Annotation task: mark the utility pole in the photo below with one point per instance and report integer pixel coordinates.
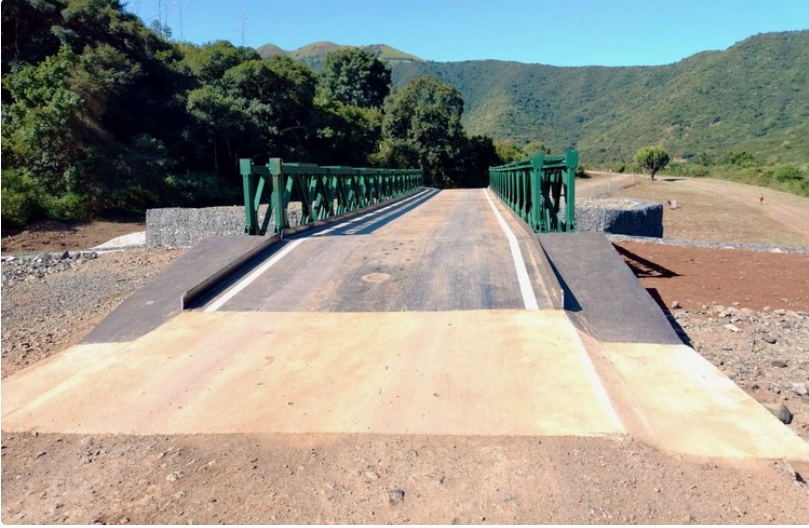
(244, 19)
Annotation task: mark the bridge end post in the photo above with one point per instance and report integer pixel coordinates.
(276, 173)
(249, 185)
(537, 220)
(572, 161)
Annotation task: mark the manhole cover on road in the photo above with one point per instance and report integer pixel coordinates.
(376, 278)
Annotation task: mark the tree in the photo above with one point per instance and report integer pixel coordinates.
(209, 62)
(652, 158)
(536, 146)
(355, 77)
(508, 152)
(423, 126)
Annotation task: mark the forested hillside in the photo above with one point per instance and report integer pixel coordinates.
(753, 96)
(103, 115)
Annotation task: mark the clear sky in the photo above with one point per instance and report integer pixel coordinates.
(560, 32)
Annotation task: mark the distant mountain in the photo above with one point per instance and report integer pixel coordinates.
(753, 96)
(314, 54)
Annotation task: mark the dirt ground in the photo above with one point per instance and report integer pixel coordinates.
(60, 236)
(379, 479)
(720, 211)
(698, 276)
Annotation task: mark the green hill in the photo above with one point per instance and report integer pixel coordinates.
(314, 55)
(752, 96)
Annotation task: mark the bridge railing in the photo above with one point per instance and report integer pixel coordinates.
(324, 192)
(533, 188)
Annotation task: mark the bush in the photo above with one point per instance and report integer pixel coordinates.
(786, 173)
(739, 159)
(687, 169)
(580, 170)
(21, 199)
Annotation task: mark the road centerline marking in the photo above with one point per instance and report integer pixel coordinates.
(528, 295)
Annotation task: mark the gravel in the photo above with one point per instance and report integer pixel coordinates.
(51, 300)
(767, 355)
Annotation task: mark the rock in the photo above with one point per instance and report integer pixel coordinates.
(800, 389)
(781, 412)
(371, 474)
(779, 363)
(395, 496)
(41, 454)
(732, 327)
(172, 477)
(509, 497)
(675, 305)
(767, 338)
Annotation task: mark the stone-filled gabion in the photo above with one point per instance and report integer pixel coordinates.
(620, 216)
(182, 227)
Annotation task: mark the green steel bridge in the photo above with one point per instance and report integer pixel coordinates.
(391, 308)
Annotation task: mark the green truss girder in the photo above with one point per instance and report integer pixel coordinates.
(534, 188)
(324, 192)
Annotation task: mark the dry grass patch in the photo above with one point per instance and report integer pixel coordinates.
(710, 216)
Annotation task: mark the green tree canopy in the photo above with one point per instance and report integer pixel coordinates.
(355, 77)
(652, 158)
(209, 63)
(423, 126)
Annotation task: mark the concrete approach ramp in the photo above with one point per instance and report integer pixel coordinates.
(592, 355)
(474, 372)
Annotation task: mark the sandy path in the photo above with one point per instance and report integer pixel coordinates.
(789, 210)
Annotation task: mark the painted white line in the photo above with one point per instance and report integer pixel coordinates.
(372, 213)
(528, 295)
(245, 282)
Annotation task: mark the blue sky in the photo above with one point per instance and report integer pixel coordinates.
(561, 32)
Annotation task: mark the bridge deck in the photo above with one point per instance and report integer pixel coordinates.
(437, 251)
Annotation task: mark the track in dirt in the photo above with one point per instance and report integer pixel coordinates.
(781, 207)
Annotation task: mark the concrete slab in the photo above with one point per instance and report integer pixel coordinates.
(672, 397)
(458, 373)
(601, 293)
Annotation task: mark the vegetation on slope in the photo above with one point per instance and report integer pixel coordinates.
(104, 115)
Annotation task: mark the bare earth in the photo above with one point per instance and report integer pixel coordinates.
(61, 236)
(378, 479)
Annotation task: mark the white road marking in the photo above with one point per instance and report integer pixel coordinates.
(246, 281)
(363, 217)
(528, 295)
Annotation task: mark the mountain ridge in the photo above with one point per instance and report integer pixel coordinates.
(752, 96)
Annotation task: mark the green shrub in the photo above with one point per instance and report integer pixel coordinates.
(739, 159)
(785, 173)
(71, 206)
(20, 197)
